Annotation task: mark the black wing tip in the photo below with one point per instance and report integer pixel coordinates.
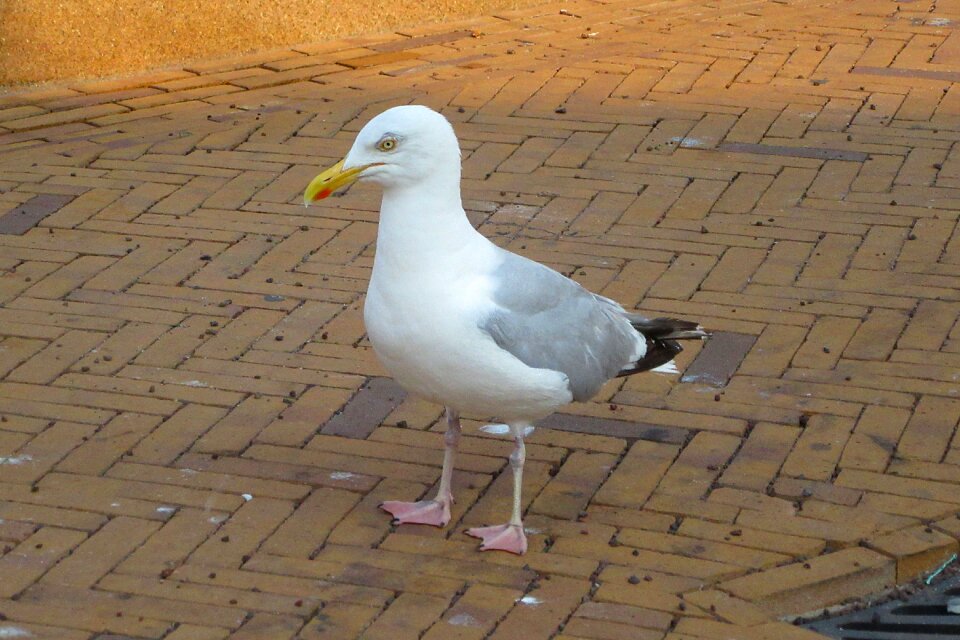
(662, 346)
(659, 353)
(668, 328)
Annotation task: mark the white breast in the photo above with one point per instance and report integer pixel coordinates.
(425, 328)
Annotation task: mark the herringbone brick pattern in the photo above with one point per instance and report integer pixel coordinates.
(194, 435)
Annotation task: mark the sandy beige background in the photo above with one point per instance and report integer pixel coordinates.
(57, 39)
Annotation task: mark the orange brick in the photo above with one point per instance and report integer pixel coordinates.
(56, 358)
(243, 533)
(360, 574)
(829, 579)
(109, 444)
(69, 277)
(818, 448)
(268, 625)
(34, 609)
(825, 343)
(175, 345)
(803, 527)
(929, 326)
(697, 465)
(760, 457)
(175, 435)
(236, 430)
(656, 591)
(930, 429)
(237, 335)
(567, 494)
(874, 438)
(198, 632)
(542, 610)
(106, 603)
(915, 508)
(34, 556)
(877, 336)
(62, 117)
(728, 608)
(366, 524)
(340, 621)
(312, 521)
(97, 555)
(697, 547)
(906, 487)
(407, 617)
(917, 550)
(170, 546)
(476, 613)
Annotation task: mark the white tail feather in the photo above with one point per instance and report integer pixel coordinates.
(503, 429)
(669, 368)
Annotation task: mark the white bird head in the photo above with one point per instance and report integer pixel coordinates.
(405, 146)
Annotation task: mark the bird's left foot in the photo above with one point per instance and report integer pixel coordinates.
(503, 537)
(432, 512)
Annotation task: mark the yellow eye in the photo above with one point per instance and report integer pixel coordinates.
(387, 144)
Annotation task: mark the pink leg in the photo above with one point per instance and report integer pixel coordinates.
(510, 536)
(434, 512)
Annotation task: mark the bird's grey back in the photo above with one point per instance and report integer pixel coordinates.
(550, 322)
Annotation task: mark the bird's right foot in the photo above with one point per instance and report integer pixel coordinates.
(503, 537)
(432, 512)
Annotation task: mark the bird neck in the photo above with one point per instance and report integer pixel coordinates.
(421, 224)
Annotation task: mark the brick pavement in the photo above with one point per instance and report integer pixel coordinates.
(194, 436)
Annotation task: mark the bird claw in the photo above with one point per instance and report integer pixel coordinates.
(503, 537)
(433, 512)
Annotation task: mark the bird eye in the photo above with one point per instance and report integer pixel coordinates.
(387, 144)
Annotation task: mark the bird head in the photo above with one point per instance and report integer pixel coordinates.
(403, 146)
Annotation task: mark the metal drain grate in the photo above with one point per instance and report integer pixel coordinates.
(921, 616)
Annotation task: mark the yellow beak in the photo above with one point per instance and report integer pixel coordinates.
(331, 180)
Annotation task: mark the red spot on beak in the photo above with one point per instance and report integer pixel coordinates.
(321, 194)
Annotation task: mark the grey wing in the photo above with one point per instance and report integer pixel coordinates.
(548, 321)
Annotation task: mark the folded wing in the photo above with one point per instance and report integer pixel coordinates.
(550, 322)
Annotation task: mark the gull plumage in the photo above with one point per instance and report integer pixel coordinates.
(461, 322)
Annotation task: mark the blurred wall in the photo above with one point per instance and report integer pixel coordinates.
(44, 40)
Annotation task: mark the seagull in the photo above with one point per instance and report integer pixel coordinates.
(461, 322)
